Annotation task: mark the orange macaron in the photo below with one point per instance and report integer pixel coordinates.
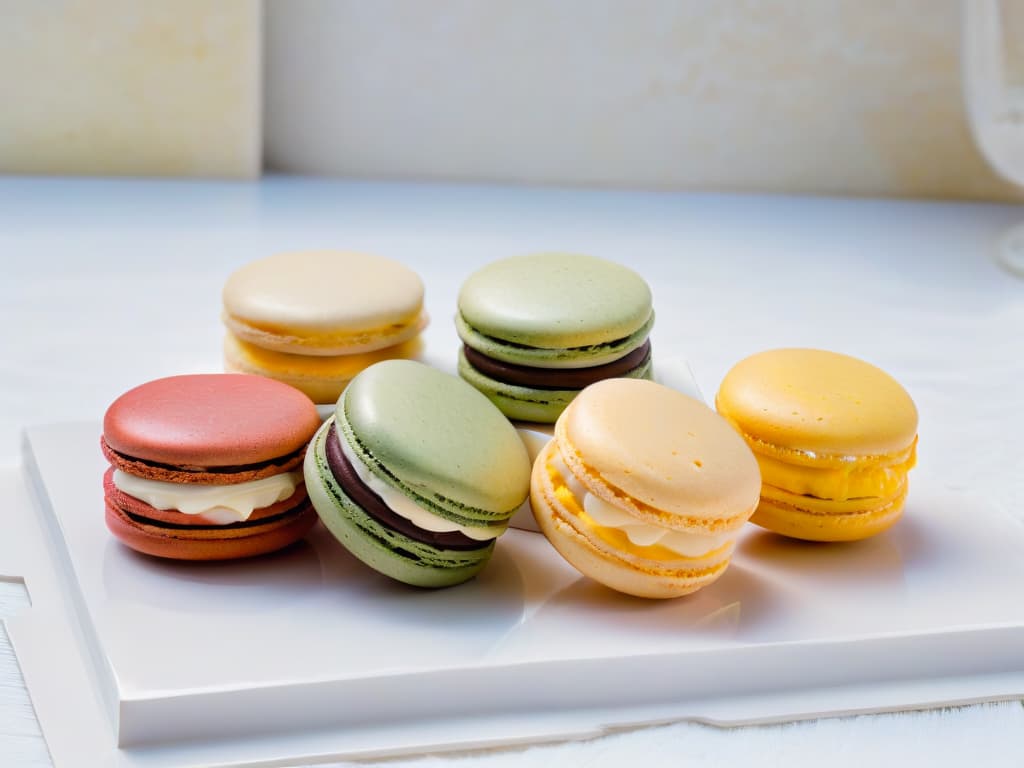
(208, 466)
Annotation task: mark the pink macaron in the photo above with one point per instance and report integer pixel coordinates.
(208, 466)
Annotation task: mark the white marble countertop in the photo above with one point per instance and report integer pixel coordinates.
(109, 283)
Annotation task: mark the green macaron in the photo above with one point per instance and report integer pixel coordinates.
(417, 473)
(537, 329)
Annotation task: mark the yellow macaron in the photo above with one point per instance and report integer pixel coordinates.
(643, 488)
(834, 437)
(314, 319)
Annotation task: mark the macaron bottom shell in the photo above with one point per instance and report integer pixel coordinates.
(812, 519)
(521, 403)
(623, 572)
(383, 549)
(215, 542)
(322, 379)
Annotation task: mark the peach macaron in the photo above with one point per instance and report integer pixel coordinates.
(644, 489)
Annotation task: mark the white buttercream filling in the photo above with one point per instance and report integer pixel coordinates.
(405, 507)
(685, 543)
(219, 504)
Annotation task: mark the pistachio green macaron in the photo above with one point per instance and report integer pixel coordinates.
(537, 329)
(417, 473)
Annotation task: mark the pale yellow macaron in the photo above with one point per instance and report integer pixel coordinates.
(834, 437)
(321, 378)
(314, 319)
(643, 488)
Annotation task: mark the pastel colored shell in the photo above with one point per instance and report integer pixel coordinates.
(555, 301)
(210, 420)
(322, 378)
(537, 329)
(818, 401)
(433, 433)
(643, 488)
(324, 303)
(219, 430)
(417, 474)
(666, 455)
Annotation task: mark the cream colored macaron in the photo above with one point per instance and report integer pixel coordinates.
(321, 378)
(644, 489)
(324, 303)
(315, 319)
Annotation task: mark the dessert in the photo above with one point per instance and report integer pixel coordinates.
(321, 378)
(208, 467)
(834, 437)
(314, 319)
(644, 488)
(417, 474)
(537, 329)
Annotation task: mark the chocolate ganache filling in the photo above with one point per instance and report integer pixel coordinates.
(556, 378)
(374, 506)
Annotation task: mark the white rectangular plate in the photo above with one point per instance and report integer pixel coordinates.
(307, 655)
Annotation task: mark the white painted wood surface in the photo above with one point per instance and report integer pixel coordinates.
(21, 742)
(93, 270)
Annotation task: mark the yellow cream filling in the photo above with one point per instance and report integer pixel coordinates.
(616, 538)
(844, 482)
(318, 338)
(333, 366)
(821, 506)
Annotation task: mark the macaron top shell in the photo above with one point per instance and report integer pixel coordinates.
(816, 401)
(317, 291)
(555, 300)
(662, 448)
(210, 420)
(437, 435)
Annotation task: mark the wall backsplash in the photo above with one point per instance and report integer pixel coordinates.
(155, 88)
(832, 96)
(855, 97)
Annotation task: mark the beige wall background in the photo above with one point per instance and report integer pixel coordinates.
(121, 87)
(835, 96)
(855, 97)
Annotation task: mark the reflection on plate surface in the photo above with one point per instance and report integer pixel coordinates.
(313, 616)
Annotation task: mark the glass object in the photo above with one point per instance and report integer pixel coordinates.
(993, 77)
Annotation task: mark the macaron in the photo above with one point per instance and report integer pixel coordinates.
(644, 489)
(537, 329)
(417, 474)
(834, 437)
(314, 319)
(208, 466)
